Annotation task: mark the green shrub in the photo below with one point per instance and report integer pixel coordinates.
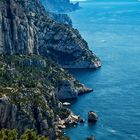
(7, 134)
(32, 135)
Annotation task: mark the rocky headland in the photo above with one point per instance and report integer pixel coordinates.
(32, 79)
(60, 18)
(26, 28)
(60, 6)
(29, 91)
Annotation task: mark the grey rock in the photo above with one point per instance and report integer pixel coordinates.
(66, 90)
(92, 116)
(11, 118)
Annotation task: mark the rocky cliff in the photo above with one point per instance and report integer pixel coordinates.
(29, 90)
(60, 6)
(60, 18)
(30, 82)
(26, 28)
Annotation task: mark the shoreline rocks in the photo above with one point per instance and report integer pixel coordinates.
(81, 120)
(71, 121)
(92, 116)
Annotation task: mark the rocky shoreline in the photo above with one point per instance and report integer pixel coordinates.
(73, 120)
(32, 79)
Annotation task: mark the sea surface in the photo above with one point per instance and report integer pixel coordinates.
(112, 30)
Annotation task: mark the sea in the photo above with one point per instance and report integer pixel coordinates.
(112, 30)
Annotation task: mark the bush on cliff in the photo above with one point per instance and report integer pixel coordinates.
(6, 134)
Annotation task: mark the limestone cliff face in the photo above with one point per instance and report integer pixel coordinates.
(26, 28)
(30, 87)
(17, 31)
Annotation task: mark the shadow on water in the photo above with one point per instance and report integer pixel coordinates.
(83, 74)
(81, 71)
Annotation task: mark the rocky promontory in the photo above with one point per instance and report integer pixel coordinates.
(60, 18)
(26, 28)
(30, 87)
(34, 49)
(60, 6)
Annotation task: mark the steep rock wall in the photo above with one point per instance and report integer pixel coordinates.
(26, 28)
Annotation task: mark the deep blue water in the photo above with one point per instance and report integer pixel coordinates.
(112, 29)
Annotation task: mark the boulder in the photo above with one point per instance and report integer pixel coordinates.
(92, 116)
(72, 120)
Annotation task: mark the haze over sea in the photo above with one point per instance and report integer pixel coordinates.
(112, 30)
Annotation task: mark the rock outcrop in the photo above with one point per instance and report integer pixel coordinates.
(92, 116)
(60, 6)
(71, 89)
(26, 28)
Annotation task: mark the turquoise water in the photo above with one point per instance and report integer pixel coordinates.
(112, 29)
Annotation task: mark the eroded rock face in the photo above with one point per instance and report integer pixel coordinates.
(27, 116)
(25, 28)
(29, 38)
(27, 97)
(12, 118)
(70, 89)
(65, 46)
(66, 90)
(17, 31)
